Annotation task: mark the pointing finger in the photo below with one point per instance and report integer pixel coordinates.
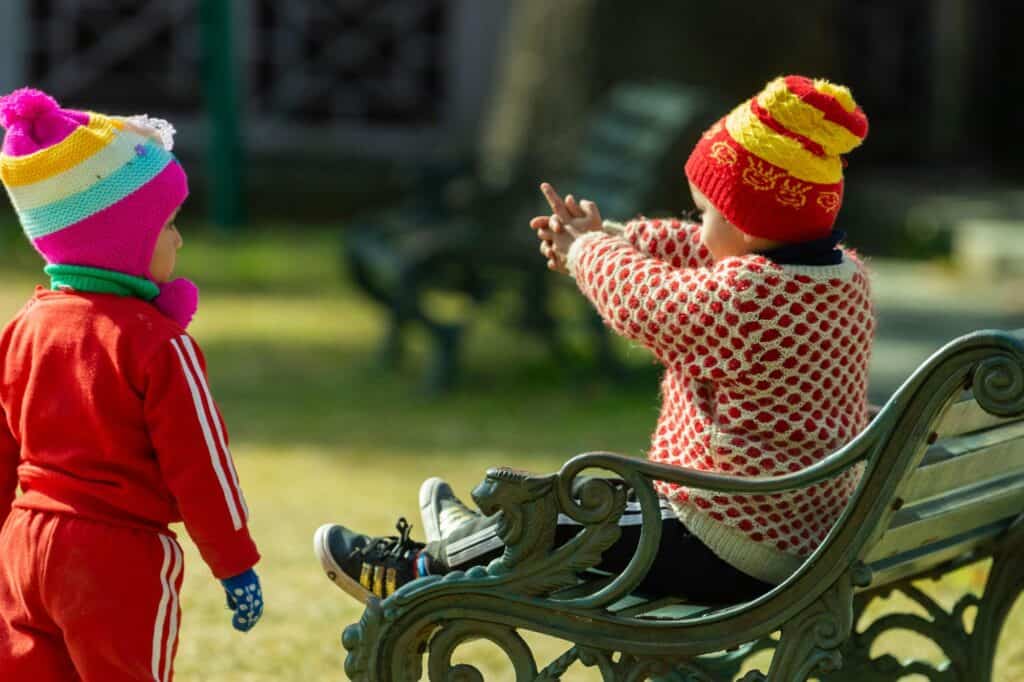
(555, 201)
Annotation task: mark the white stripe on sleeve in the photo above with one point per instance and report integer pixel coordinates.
(204, 424)
(198, 370)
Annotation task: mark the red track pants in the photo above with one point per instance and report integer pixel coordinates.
(81, 600)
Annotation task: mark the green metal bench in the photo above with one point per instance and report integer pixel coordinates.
(401, 256)
(943, 487)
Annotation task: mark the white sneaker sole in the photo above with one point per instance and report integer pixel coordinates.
(428, 492)
(332, 570)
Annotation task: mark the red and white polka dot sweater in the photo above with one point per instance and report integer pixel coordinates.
(766, 373)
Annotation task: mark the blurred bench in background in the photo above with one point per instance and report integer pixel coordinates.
(455, 236)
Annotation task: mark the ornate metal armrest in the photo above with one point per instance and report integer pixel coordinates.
(814, 608)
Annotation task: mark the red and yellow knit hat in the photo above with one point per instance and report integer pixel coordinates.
(773, 166)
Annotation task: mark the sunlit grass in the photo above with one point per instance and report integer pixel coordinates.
(320, 433)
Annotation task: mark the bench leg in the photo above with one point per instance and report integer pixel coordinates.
(1004, 585)
(970, 655)
(392, 348)
(811, 641)
(444, 362)
(406, 307)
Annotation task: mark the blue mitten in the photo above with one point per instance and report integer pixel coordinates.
(245, 598)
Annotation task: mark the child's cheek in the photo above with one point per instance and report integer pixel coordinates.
(706, 236)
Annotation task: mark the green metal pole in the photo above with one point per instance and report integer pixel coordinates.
(227, 208)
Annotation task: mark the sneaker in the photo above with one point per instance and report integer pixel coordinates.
(441, 511)
(364, 566)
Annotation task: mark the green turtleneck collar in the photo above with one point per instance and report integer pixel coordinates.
(97, 281)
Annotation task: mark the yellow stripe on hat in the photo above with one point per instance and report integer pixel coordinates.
(61, 157)
(786, 152)
(80, 177)
(806, 119)
(841, 93)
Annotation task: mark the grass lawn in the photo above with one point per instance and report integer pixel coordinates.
(320, 434)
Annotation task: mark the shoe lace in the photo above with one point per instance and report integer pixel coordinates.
(391, 546)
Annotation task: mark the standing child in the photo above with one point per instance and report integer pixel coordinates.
(764, 326)
(107, 421)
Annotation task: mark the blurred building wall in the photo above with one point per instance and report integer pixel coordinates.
(938, 78)
(385, 78)
(334, 92)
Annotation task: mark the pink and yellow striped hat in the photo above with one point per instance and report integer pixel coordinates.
(89, 189)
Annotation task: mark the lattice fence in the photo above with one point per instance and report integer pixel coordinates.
(402, 70)
(363, 60)
(118, 55)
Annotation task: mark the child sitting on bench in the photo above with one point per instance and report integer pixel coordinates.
(764, 326)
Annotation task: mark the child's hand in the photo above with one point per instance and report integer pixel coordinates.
(568, 221)
(556, 239)
(245, 598)
(581, 217)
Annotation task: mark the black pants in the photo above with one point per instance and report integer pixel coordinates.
(683, 567)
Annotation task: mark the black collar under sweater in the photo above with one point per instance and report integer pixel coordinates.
(824, 251)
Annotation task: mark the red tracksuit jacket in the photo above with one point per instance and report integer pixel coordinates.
(107, 415)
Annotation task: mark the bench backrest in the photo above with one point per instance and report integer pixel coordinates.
(633, 133)
(968, 488)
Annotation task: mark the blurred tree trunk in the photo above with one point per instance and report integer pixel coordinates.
(542, 93)
(952, 31)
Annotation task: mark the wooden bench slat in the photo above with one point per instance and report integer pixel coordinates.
(967, 416)
(928, 557)
(967, 460)
(955, 513)
(676, 612)
(636, 604)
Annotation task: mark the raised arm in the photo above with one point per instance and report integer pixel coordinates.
(673, 241)
(684, 315)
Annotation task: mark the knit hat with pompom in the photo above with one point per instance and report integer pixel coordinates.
(773, 166)
(89, 189)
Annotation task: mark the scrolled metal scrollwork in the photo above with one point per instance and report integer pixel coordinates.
(355, 639)
(944, 628)
(754, 676)
(361, 641)
(445, 641)
(998, 383)
(810, 643)
(625, 668)
(595, 500)
(528, 507)
(527, 512)
(556, 668)
(598, 503)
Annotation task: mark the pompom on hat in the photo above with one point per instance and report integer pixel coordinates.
(89, 189)
(774, 165)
